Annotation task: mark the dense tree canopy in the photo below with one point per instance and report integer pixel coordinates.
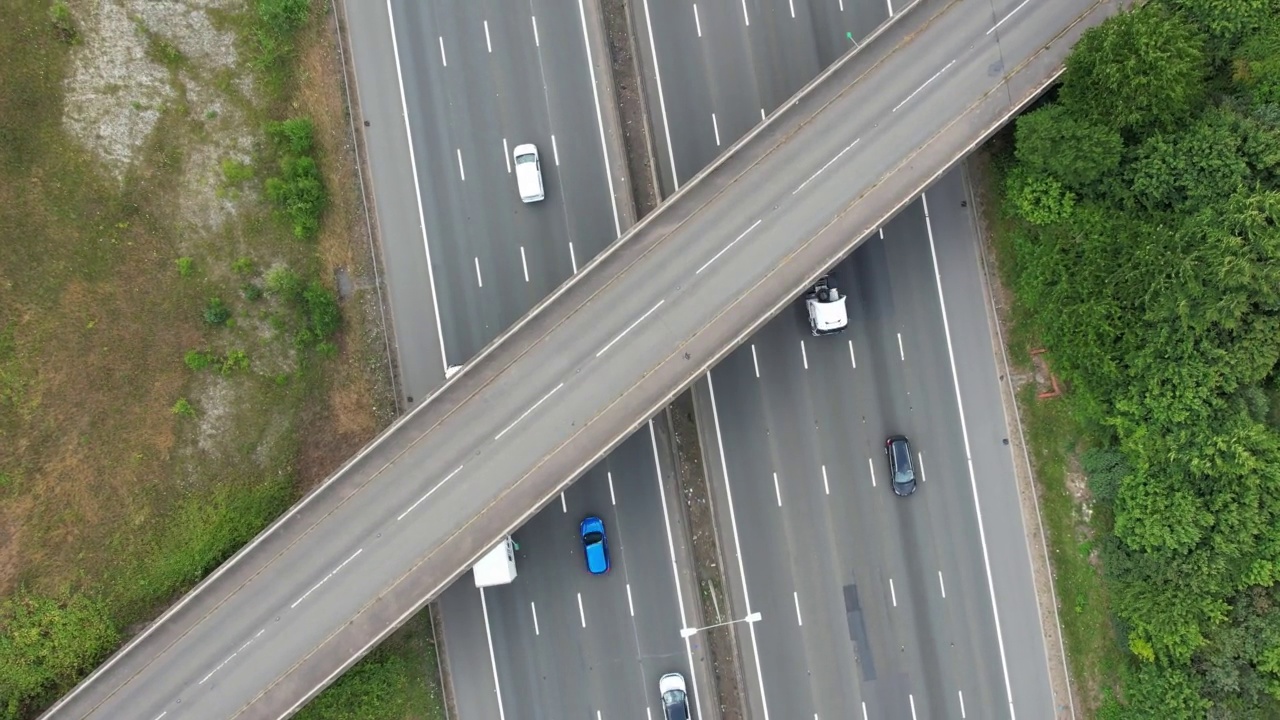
(1146, 200)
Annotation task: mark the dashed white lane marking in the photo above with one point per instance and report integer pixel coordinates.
(961, 694)
(893, 595)
(841, 5)
(942, 585)
(973, 479)
(612, 500)
(920, 457)
(852, 360)
(526, 412)
(890, 4)
(696, 22)
(912, 699)
(715, 126)
(761, 114)
(864, 710)
(573, 259)
(824, 167)
(166, 712)
(881, 233)
(754, 362)
(534, 608)
(221, 664)
(737, 544)
(901, 353)
(926, 83)
(776, 490)
(630, 327)
(417, 502)
(479, 280)
(506, 154)
(1006, 17)
(726, 247)
(581, 614)
(493, 660)
(872, 467)
(630, 605)
(825, 486)
(804, 355)
(443, 59)
(555, 150)
(326, 579)
(536, 43)
(745, 17)
(524, 264)
(461, 170)
(799, 620)
(597, 715)
(792, 3)
(671, 549)
(487, 42)
(563, 505)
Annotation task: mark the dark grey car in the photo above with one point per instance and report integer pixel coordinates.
(902, 475)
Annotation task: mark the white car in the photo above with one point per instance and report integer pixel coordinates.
(528, 173)
(675, 701)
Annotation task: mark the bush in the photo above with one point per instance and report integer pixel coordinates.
(282, 18)
(235, 172)
(216, 312)
(198, 359)
(183, 408)
(1104, 468)
(63, 24)
(285, 283)
(46, 644)
(235, 360)
(300, 195)
(186, 266)
(251, 292)
(295, 136)
(321, 309)
(243, 266)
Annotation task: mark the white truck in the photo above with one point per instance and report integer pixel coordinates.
(827, 311)
(498, 566)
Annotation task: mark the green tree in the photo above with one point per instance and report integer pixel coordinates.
(1039, 199)
(1076, 152)
(1143, 69)
(1197, 167)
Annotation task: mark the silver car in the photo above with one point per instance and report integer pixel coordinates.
(675, 701)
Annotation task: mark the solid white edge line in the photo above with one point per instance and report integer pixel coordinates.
(662, 102)
(973, 480)
(725, 249)
(493, 660)
(534, 609)
(604, 148)
(446, 479)
(630, 327)
(733, 523)
(417, 190)
(671, 547)
(526, 412)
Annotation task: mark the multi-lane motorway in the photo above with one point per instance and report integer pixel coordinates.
(606, 351)
(802, 422)
(478, 79)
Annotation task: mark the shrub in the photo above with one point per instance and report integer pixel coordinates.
(282, 18)
(321, 309)
(48, 643)
(243, 266)
(251, 291)
(235, 360)
(198, 359)
(285, 283)
(235, 172)
(183, 408)
(295, 136)
(216, 312)
(186, 266)
(63, 24)
(299, 194)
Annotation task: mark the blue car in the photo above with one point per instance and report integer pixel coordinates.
(595, 546)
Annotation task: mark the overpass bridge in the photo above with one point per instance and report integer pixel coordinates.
(542, 403)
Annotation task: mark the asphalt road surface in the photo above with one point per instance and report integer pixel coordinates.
(501, 78)
(793, 411)
(538, 408)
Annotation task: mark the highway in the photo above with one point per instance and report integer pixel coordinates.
(802, 421)
(541, 404)
(500, 78)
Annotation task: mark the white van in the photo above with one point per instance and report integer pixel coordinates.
(528, 173)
